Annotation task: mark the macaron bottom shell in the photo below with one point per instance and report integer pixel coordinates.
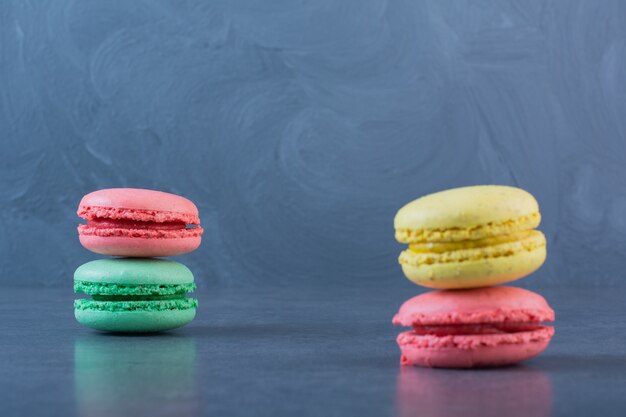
(472, 351)
(140, 316)
(139, 246)
(135, 321)
(476, 273)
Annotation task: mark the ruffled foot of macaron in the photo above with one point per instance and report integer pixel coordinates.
(482, 327)
(470, 237)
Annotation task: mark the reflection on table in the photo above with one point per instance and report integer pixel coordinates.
(136, 375)
(511, 392)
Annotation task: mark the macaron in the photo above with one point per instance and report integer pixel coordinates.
(470, 237)
(139, 223)
(481, 327)
(134, 295)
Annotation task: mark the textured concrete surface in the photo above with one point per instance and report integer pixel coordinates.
(287, 352)
(300, 128)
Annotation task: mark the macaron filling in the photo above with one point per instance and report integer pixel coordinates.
(439, 247)
(477, 328)
(461, 337)
(138, 223)
(131, 304)
(116, 213)
(134, 228)
(102, 288)
(143, 297)
(134, 224)
(480, 231)
(490, 247)
(100, 297)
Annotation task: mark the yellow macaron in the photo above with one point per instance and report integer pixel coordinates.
(470, 237)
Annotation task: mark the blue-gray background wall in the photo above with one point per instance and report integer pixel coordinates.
(300, 127)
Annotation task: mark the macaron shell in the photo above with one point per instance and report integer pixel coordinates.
(143, 206)
(483, 353)
(133, 271)
(477, 344)
(476, 273)
(466, 207)
(140, 247)
(138, 199)
(481, 305)
(134, 321)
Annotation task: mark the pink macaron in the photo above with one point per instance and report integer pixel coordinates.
(138, 223)
(481, 327)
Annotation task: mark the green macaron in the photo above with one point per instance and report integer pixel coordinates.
(134, 295)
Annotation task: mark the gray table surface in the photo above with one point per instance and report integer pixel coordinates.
(296, 351)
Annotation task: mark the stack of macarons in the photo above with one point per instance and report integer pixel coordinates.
(463, 242)
(135, 291)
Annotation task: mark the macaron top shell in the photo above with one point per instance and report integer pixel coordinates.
(138, 204)
(134, 271)
(485, 210)
(475, 306)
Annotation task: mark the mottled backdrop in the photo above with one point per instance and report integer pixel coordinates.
(300, 127)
